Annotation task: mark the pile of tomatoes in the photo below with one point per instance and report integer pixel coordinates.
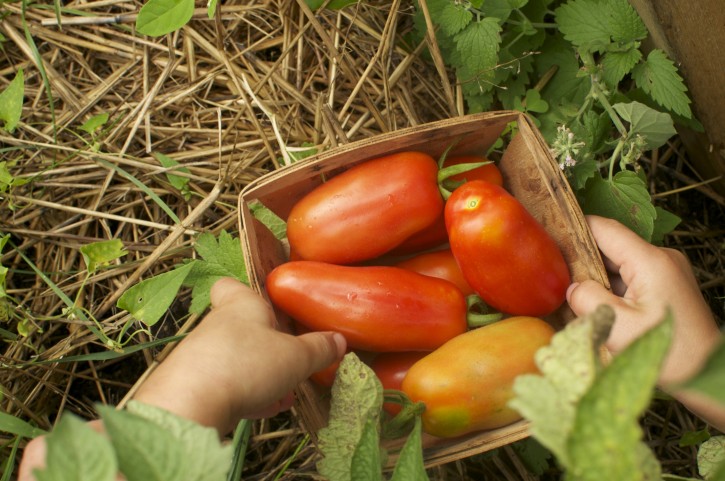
(391, 252)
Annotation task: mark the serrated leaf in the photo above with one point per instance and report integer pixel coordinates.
(658, 77)
(584, 23)
(366, 461)
(710, 381)
(656, 127)
(607, 437)
(625, 25)
(75, 452)
(145, 451)
(477, 47)
(148, 300)
(356, 399)
(624, 198)
(617, 64)
(271, 221)
(410, 464)
(211, 459)
(534, 456)
(453, 18)
(11, 102)
(179, 182)
(568, 368)
(566, 86)
(499, 9)
(711, 458)
(94, 123)
(159, 17)
(98, 254)
(665, 222)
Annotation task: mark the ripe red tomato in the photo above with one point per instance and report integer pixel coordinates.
(488, 173)
(391, 368)
(466, 383)
(441, 264)
(376, 308)
(504, 253)
(367, 210)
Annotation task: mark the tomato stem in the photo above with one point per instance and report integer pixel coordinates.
(402, 422)
(485, 314)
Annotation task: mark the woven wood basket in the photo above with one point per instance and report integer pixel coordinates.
(530, 174)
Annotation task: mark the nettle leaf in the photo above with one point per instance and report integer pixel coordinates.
(11, 102)
(617, 64)
(410, 462)
(710, 381)
(656, 127)
(624, 198)
(91, 125)
(500, 9)
(607, 437)
(159, 17)
(222, 257)
(356, 400)
(453, 18)
(658, 77)
(98, 254)
(711, 458)
(566, 85)
(477, 47)
(148, 300)
(584, 23)
(568, 366)
(625, 24)
(179, 182)
(535, 456)
(272, 221)
(75, 452)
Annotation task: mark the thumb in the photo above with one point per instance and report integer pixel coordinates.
(584, 297)
(322, 349)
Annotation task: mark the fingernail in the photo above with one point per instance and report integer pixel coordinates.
(571, 288)
(341, 344)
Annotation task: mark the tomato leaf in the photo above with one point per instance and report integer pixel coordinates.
(159, 17)
(148, 300)
(624, 198)
(11, 102)
(410, 462)
(366, 459)
(711, 459)
(75, 452)
(97, 254)
(357, 398)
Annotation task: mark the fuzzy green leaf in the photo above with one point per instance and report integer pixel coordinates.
(148, 300)
(75, 452)
(659, 78)
(625, 25)
(159, 17)
(500, 9)
(656, 127)
(11, 102)
(566, 86)
(665, 222)
(272, 221)
(366, 461)
(453, 18)
(98, 254)
(584, 23)
(410, 462)
(617, 64)
(624, 198)
(477, 47)
(711, 459)
(357, 398)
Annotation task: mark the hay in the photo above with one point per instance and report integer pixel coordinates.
(227, 98)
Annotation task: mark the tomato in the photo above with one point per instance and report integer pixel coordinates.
(391, 367)
(466, 383)
(326, 376)
(367, 210)
(441, 264)
(504, 253)
(376, 308)
(436, 234)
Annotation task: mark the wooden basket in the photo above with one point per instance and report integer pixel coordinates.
(530, 174)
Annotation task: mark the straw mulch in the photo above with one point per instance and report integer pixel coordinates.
(222, 97)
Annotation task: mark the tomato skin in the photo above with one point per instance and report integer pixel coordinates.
(367, 210)
(466, 383)
(441, 264)
(391, 368)
(488, 173)
(503, 251)
(376, 308)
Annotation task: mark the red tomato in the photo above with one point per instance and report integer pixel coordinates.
(441, 264)
(504, 253)
(391, 368)
(376, 308)
(488, 173)
(326, 377)
(367, 210)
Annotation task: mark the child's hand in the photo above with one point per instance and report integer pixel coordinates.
(646, 280)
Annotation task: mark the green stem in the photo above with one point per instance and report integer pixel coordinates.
(613, 158)
(486, 315)
(402, 422)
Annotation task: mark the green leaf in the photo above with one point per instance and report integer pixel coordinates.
(11, 102)
(477, 48)
(617, 64)
(568, 366)
(585, 24)
(211, 459)
(75, 452)
(566, 86)
(410, 465)
(94, 123)
(658, 77)
(13, 425)
(665, 222)
(98, 254)
(222, 257)
(159, 17)
(624, 198)
(534, 456)
(625, 25)
(272, 221)
(332, 5)
(656, 127)
(453, 18)
(179, 182)
(211, 8)
(710, 381)
(499, 9)
(145, 451)
(534, 102)
(711, 458)
(366, 461)
(357, 398)
(607, 437)
(693, 438)
(148, 300)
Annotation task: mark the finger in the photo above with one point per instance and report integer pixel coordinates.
(584, 297)
(618, 244)
(322, 348)
(282, 405)
(33, 458)
(240, 302)
(228, 289)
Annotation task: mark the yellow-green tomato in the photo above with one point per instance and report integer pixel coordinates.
(467, 382)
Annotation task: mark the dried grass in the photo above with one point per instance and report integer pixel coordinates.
(222, 97)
